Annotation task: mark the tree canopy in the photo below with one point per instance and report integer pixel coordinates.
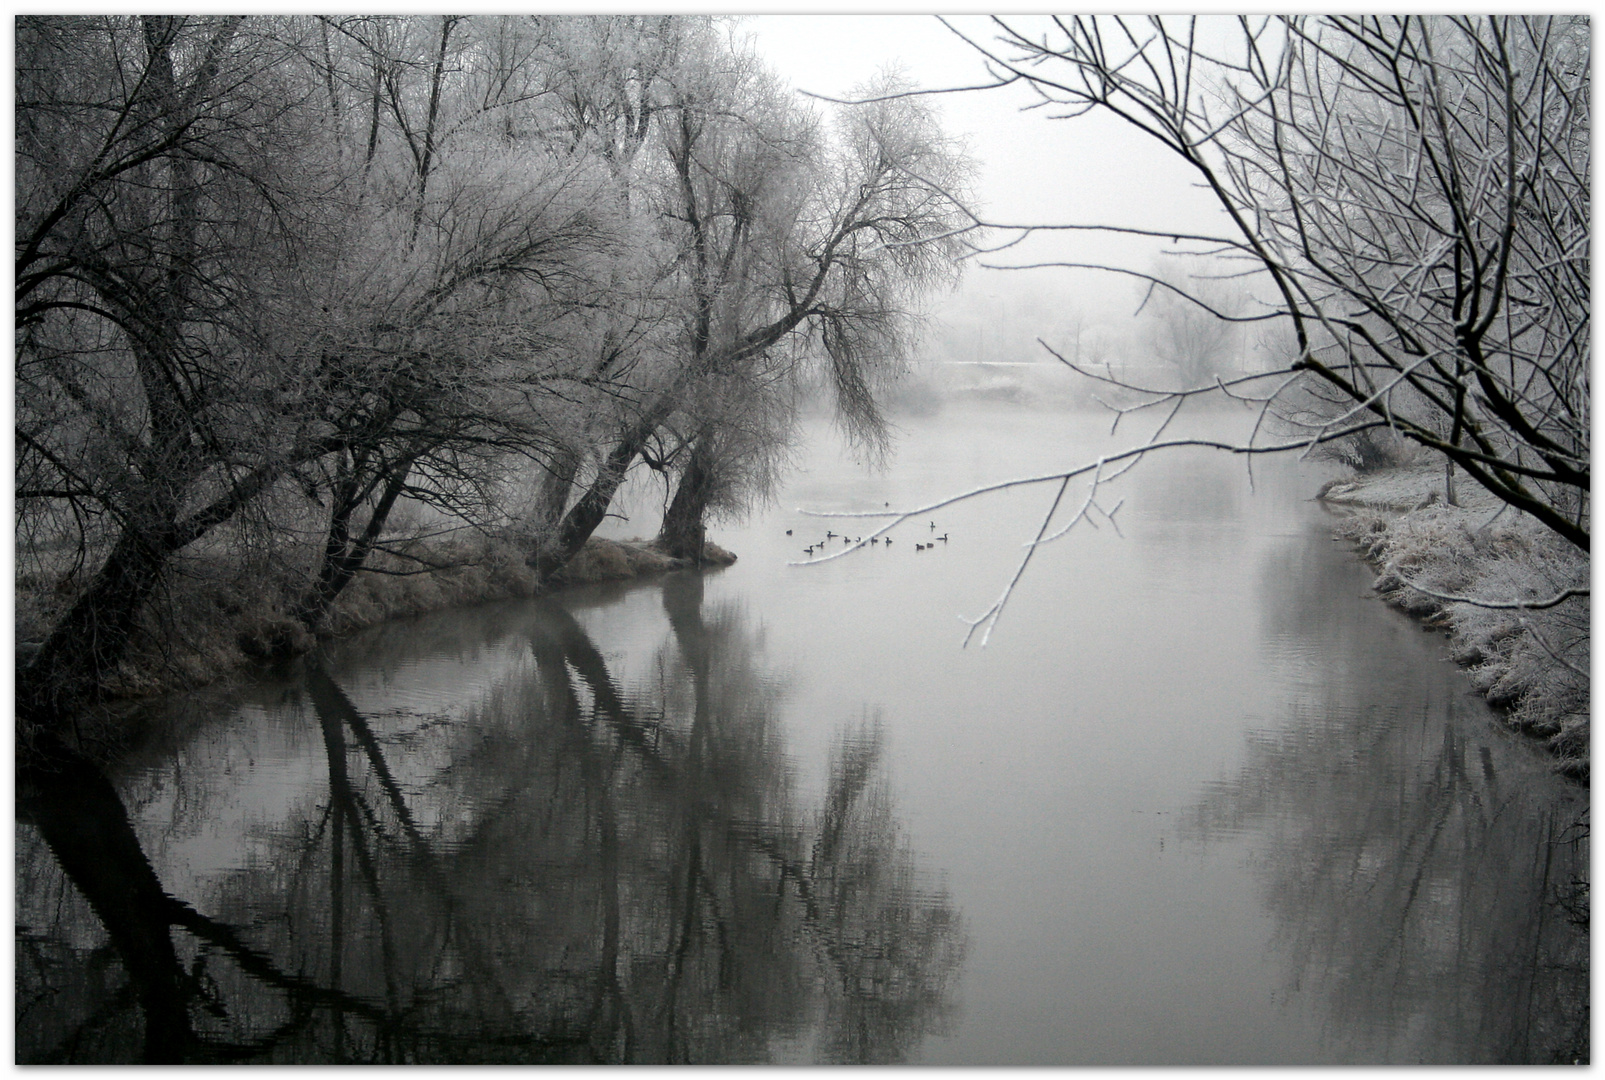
(277, 276)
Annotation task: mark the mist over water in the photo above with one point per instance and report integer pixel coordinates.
(1201, 800)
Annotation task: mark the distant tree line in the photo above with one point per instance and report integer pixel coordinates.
(276, 276)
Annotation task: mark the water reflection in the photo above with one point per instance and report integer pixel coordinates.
(577, 871)
(1427, 876)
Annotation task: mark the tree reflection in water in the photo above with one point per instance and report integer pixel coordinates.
(1427, 874)
(581, 875)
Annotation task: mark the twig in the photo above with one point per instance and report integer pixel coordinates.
(992, 614)
(1532, 632)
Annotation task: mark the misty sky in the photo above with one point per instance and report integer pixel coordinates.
(1092, 169)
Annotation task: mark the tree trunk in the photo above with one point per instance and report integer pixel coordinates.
(683, 533)
(86, 645)
(555, 488)
(84, 648)
(553, 551)
(342, 556)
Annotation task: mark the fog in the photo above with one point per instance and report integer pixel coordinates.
(1031, 168)
(1159, 820)
(1081, 743)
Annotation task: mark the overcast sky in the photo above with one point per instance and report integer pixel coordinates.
(1093, 169)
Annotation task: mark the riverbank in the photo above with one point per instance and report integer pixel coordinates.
(216, 617)
(1432, 558)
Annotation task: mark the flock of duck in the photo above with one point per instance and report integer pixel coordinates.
(819, 545)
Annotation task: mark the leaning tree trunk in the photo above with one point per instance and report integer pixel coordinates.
(85, 647)
(83, 650)
(344, 555)
(556, 486)
(684, 533)
(554, 549)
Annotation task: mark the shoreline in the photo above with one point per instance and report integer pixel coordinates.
(1530, 664)
(227, 620)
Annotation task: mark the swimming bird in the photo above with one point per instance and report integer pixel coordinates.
(933, 526)
(874, 539)
(919, 547)
(888, 541)
(830, 536)
(943, 538)
(788, 532)
(809, 549)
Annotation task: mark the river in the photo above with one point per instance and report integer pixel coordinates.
(1202, 799)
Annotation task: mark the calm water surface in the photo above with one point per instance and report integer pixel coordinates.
(1202, 800)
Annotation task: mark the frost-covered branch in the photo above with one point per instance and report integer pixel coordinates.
(1411, 191)
(1494, 605)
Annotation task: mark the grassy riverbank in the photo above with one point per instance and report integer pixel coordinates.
(1531, 663)
(215, 616)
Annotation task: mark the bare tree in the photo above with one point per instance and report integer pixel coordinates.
(167, 190)
(326, 256)
(467, 243)
(609, 79)
(1411, 197)
(771, 250)
(800, 248)
(1185, 334)
(1413, 194)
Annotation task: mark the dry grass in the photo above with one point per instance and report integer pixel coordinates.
(608, 560)
(1533, 664)
(216, 615)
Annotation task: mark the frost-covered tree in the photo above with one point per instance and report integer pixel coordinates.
(1412, 194)
(468, 241)
(171, 188)
(783, 244)
(807, 246)
(283, 267)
